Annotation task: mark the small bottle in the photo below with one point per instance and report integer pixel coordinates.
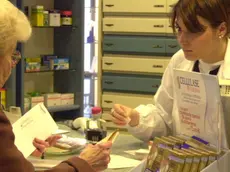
(37, 16)
(95, 127)
(66, 18)
(46, 18)
(54, 18)
(96, 113)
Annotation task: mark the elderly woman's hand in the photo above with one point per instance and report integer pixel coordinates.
(41, 145)
(98, 156)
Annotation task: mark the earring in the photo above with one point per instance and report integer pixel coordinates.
(221, 36)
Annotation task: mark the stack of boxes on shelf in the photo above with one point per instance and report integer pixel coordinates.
(46, 62)
(55, 18)
(137, 44)
(49, 100)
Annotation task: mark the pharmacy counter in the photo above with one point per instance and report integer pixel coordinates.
(123, 143)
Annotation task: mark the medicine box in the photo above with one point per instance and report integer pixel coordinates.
(46, 59)
(36, 100)
(33, 64)
(59, 64)
(33, 67)
(220, 165)
(37, 16)
(52, 99)
(54, 18)
(67, 99)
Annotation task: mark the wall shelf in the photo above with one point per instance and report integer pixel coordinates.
(43, 71)
(63, 108)
(40, 27)
(62, 41)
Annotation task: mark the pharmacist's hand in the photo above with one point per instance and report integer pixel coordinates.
(98, 156)
(41, 145)
(122, 115)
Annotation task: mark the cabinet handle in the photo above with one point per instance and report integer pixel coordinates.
(158, 26)
(155, 86)
(157, 46)
(158, 6)
(172, 46)
(171, 5)
(109, 25)
(157, 66)
(109, 44)
(108, 101)
(108, 82)
(108, 63)
(109, 5)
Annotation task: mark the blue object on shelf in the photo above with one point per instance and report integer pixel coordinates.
(90, 38)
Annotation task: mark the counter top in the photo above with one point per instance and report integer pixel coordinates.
(124, 142)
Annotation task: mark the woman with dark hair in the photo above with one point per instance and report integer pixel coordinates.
(202, 28)
(14, 27)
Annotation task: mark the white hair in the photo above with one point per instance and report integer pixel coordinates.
(14, 27)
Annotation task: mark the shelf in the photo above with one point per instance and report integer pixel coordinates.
(63, 108)
(90, 74)
(43, 71)
(54, 26)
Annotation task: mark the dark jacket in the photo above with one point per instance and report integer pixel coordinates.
(12, 160)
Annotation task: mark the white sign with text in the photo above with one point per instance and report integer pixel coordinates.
(199, 106)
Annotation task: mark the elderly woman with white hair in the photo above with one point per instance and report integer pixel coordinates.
(15, 27)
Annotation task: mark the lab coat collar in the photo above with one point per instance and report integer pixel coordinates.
(226, 65)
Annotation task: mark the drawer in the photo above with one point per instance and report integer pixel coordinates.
(148, 25)
(130, 83)
(169, 27)
(172, 46)
(134, 44)
(134, 6)
(130, 100)
(170, 5)
(137, 64)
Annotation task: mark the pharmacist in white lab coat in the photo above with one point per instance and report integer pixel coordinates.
(202, 32)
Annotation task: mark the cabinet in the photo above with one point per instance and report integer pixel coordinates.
(134, 6)
(170, 4)
(62, 41)
(140, 45)
(134, 64)
(132, 24)
(131, 100)
(137, 43)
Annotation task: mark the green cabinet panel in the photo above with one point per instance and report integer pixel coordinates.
(131, 83)
(134, 44)
(172, 46)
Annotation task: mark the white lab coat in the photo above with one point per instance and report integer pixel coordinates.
(162, 118)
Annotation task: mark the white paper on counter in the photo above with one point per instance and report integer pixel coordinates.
(44, 163)
(139, 151)
(60, 131)
(35, 123)
(118, 161)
